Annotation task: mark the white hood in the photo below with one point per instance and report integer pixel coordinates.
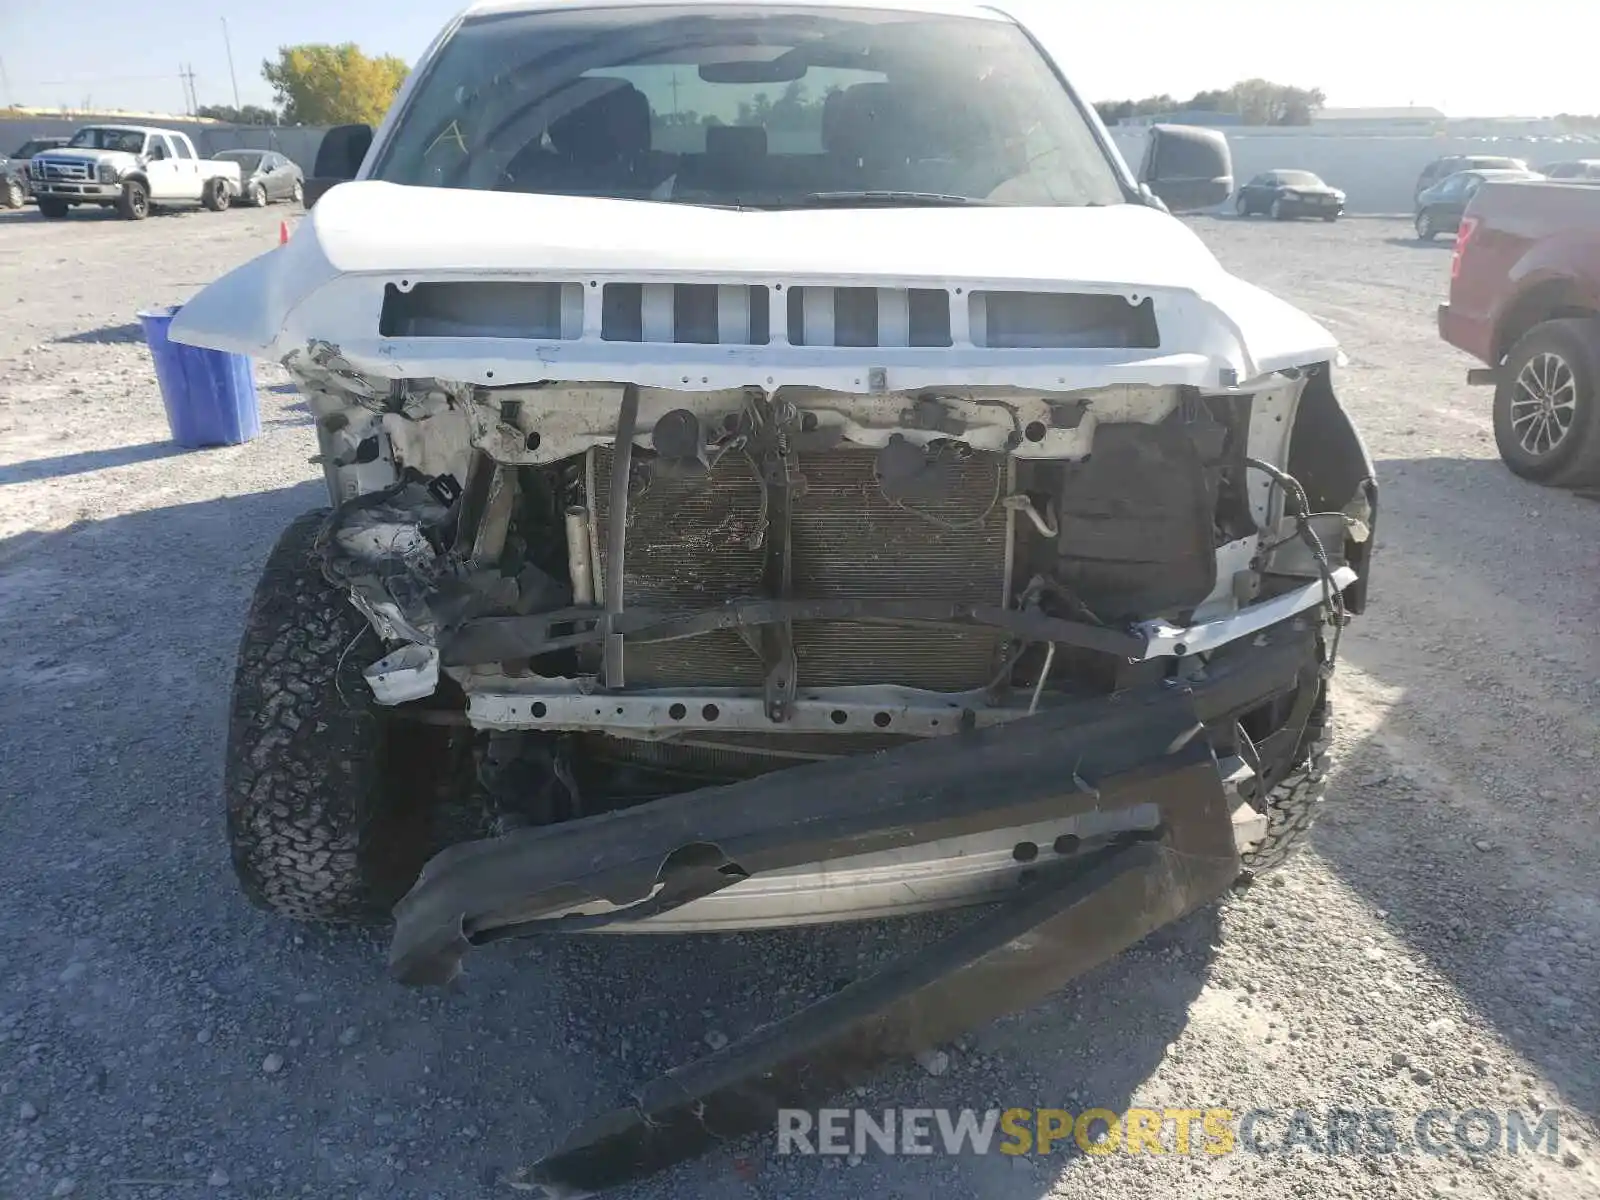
(327, 285)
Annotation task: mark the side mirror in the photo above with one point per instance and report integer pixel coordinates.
(1187, 168)
(339, 158)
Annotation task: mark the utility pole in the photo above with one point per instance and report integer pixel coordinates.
(226, 41)
(5, 83)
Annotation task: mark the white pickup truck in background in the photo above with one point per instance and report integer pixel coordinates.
(132, 168)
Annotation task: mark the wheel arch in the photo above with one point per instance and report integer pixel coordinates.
(1549, 300)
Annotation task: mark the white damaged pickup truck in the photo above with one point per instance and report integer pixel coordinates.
(783, 468)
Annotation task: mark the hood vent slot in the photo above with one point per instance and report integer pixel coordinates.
(544, 311)
(1061, 320)
(695, 313)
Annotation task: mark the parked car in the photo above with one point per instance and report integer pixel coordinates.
(904, 512)
(266, 176)
(1441, 169)
(1439, 208)
(15, 169)
(1578, 170)
(1525, 301)
(1285, 194)
(13, 182)
(131, 168)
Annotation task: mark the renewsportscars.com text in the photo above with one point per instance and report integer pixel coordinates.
(1353, 1131)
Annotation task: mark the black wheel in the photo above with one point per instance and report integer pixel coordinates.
(15, 195)
(1279, 213)
(258, 195)
(1242, 206)
(1290, 805)
(1545, 420)
(328, 814)
(216, 196)
(52, 209)
(1427, 229)
(298, 195)
(135, 201)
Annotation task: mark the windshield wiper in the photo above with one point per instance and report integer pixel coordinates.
(887, 199)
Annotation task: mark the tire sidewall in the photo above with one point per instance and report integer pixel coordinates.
(15, 196)
(258, 195)
(1566, 340)
(1425, 229)
(1277, 210)
(1242, 206)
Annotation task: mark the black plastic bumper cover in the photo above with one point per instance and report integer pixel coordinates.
(1143, 756)
(1011, 958)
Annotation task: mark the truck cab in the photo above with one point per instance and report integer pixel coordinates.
(131, 168)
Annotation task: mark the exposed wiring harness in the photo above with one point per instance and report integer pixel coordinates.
(1300, 511)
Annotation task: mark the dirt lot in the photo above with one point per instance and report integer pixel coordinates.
(1439, 947)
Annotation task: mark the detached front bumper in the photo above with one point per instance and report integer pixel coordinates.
(950, 820)
(1147, 761)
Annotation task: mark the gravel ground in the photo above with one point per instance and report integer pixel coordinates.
(1438, 948)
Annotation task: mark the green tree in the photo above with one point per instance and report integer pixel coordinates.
(333, 85)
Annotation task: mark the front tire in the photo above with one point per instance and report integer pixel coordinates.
(258, 195)
(52, 209)
(1242, 206)
(1546, 423)
(135, 202)
(298, 195)
(1427, 231)
(15, 196)
(330, 818)
(216, 196)
(1279, 213)
(1290, 805)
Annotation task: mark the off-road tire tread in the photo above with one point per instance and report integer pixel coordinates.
(303, 759)
(1291, 804)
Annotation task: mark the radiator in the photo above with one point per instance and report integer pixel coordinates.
(691, 545)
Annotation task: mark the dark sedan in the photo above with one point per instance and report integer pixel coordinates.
(1439, 208)
(14, 189)
(265, 176)
(1286, 194)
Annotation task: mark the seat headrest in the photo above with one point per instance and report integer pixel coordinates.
(613, 123)
(736, 141)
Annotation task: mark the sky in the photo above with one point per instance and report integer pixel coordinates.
(1467, 57)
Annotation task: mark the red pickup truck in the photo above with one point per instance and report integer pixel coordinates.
(1525, 300)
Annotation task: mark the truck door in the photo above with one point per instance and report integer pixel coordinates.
(161, 168)
(188, 167)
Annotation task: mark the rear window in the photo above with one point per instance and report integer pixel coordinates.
(750, 107)
(247, 161)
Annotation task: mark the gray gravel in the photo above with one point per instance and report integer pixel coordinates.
(1439, 947)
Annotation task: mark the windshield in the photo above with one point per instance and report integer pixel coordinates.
(129, 141)
(247, 161)
(1298, 179)
(750, 107)
(37, 146)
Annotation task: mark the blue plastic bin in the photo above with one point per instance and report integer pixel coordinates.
(210, 396)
